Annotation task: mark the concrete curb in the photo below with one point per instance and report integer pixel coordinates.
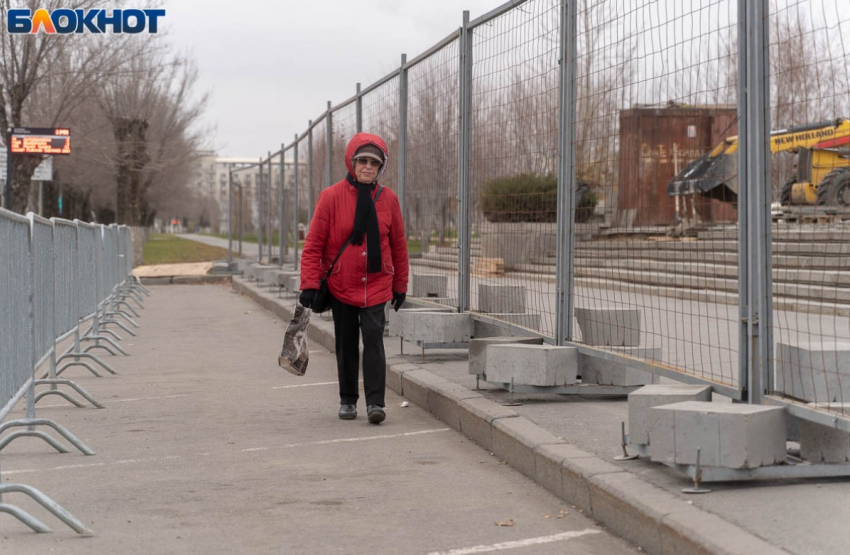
(643, 514)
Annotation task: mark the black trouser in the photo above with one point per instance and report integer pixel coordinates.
(349, 322)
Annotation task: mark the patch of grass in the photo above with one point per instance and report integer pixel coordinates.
(162, 248)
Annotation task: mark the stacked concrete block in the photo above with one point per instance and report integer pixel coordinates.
(609, 326)
(528, 320)
(728, 435)
(284, 276)
(643, 399)
(538, 365)
(501, 298)
(822, 444)
(401, 322)
(429, 285)
(593, 369)
(816, 372)
(478, 350)
(432, 327)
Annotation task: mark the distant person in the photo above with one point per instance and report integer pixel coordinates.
(372, 270)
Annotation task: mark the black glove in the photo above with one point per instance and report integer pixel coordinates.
(307, 297)
(398, 300)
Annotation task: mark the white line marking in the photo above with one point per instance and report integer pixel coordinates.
(308, 384)
(517, 544)
(91, 465)
(303, 385)
(347, 440)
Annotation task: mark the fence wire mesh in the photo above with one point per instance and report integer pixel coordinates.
(380, 117)
(513, 165)
(431, 180)
(318, 162)
(655, 88)
(344, 127)
(809, 56)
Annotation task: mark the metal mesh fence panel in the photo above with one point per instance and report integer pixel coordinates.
(110, 260)
(380, 117)
(303, 184)
(66, 282)
(513, 165)
(431, 182)
(87, 268)
(344, 127)
(809, 63)
(16, 341)
(318, 163)
(656, 275)
(42, 286)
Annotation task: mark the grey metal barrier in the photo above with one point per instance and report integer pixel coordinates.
(18, 349)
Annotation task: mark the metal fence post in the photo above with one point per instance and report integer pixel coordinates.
(465, 90)
(283, 247)
(309, 173)
(259, 187)
(330, 148)
(358, 108)
(402, 130)
(295, 203)
(566, 175)
(229, 215)
(754, 158)
(270, 212)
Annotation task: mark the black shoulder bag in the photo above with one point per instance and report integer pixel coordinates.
(322, 300)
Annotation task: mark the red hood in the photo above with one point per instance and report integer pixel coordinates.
(360, 140)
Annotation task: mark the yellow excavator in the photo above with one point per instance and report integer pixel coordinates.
(822, 162)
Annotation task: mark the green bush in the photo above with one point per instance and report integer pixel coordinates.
(531, 198)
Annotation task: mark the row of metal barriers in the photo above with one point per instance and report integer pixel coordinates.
(66, 294)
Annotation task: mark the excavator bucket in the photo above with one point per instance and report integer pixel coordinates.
(713, 177)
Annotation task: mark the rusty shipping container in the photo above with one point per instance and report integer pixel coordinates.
(655, 145)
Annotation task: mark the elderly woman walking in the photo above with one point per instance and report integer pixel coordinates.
(360, 221)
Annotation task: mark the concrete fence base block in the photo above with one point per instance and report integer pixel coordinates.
(293, 284)
(821, 444)
(605, 372)
(501, 298)
(284, 276)
(540, 365)
(817, 372)
(429, 285)
(478, 350)
(728, 435)
(609, 326)
(398, 321)
(645, 398)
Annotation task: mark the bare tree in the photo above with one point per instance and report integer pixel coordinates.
(60, 70)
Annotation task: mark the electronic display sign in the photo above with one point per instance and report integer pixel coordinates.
(40, 140)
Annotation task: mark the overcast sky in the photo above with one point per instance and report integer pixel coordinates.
(272, 66)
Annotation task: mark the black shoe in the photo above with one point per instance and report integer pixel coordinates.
(376, 414)
(347, 412)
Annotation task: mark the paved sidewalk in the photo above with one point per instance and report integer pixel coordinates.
(206, 446)
(639, 500)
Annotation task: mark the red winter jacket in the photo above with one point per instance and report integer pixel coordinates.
(331, 226)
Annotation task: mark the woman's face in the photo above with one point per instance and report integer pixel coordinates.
(366, 169)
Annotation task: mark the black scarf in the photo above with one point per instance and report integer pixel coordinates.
(366, 222)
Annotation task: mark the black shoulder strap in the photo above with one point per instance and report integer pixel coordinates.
(350, 238)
